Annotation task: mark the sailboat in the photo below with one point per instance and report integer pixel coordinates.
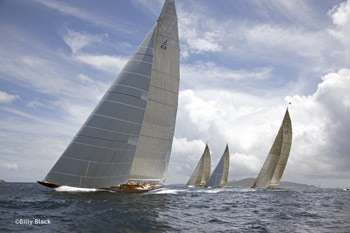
(220, 174)
(271, 173)
(201, 174)
(125, 143)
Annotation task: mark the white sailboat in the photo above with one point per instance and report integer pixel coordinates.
(201, 174)
(126, 141)
(271, 173)
(220, 174)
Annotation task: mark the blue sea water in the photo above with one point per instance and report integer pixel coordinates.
(174, 209)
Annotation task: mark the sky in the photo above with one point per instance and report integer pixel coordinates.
(241, 63)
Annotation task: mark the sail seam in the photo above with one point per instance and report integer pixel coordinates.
(93, 127)
(155, 151)
(156, 137)
(115, 118)
(154, 128)
(129, 105)
(164, 89)
(84, 160)
(146, 47)
(172, 16)
(167, 37)
(166, 74)
(124, 71)
(163, 103)
(143, 54)
(103, 147)
(121, 93)
(117, 84)
(81, 135)
(141, 61)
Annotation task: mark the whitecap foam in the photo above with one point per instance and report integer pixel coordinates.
(74, 189)
(166, 191)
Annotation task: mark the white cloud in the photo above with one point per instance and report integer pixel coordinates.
(112, 64)
(301, 45)
(64, 8)
(201, 74)
(7, 165)
(78, 40)
(152, 7)
(321, 130)
(7, 98)
(195, 36)
(34, 104)
(340, 15)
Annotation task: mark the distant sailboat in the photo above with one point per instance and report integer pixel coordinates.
(126, 141)
(275, 163)
(220, 174)
(201, 174)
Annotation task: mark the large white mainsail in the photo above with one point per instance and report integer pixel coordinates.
(220, 174)
(275, 163)
(201, 174)
(129, 134)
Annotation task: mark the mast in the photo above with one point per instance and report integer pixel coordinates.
(201, 174)
(130, 131)
(220, 174)
(275, 163)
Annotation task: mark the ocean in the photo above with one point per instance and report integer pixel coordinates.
(30, 207)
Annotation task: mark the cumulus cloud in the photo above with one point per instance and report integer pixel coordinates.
(323, 127)
(321, 130)
(340, 15)
(7, 98)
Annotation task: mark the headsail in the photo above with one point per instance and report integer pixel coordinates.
(275, 163)
(201, 174)
(130, 131)
(154, 146)
(220, 174)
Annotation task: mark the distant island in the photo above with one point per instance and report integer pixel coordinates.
(2, 181)
(248, 182)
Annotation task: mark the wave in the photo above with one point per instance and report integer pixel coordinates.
(75, 189)
(166, 191)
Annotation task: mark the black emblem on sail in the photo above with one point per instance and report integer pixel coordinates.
(164, 45)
